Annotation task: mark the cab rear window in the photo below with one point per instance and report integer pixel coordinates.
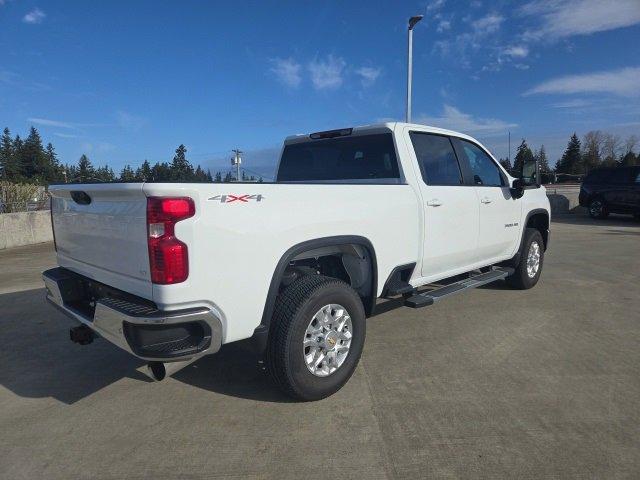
(352, 159)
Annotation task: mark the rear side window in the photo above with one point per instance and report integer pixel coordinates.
(599, 176)
(358, 159)
(485, 171)
(437, 159)
(621, 175)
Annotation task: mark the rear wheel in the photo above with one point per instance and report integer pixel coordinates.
(529, 267)
(316, 337)
(597, 208)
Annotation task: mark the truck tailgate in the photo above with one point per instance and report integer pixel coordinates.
(101, 232)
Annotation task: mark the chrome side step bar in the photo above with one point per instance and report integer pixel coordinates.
(430, 297)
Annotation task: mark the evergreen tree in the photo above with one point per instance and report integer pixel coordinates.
(228, 178)
(181, 169)
(9, 167)
(199, 176)
(218, 178)
(85, 172)
(104, 174)
(53, 170)
(524, 154)
(161, 172)
(32, 159)
(630, 159)
(209, 177)
(506, 164)
(127, 174)
(571, 161)
(541, 158)
(18, 151)
(143, 173)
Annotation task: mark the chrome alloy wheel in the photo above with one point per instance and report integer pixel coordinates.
(533, 259)
(595, 208)
(327, 340)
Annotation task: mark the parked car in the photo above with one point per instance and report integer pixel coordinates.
(170, 272)
(611, 190)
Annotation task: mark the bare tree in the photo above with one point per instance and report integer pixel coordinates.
(610, 149)
(592, 149)
(630, 144)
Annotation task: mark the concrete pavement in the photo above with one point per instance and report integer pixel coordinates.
(494, 383)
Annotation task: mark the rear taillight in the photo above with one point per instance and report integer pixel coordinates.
(168, 256)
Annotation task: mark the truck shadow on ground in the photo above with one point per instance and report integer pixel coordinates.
(39, 361)
(236, 371)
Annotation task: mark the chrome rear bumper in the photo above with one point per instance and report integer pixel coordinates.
(137, 327)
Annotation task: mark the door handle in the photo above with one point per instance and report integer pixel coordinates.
(486, 200)
(434, 202)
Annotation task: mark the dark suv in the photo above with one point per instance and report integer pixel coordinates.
(611, 190)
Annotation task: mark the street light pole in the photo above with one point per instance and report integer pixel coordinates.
(412, 23)
(237, 160)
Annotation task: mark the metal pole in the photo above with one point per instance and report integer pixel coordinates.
(412, 22)
(409, 74)
(237, 160)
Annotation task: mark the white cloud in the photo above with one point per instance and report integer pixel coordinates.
(51, 123)
(286, 71)
(327, 74)
(577, 103)
(565, 18)
(443, 25)
(516, 51)
(434, 5)
(488, 24)
(65, 135)
(454, 119)
(463, 47)
(623, 82)
(130, 121)
(35, 16)
(368, 75)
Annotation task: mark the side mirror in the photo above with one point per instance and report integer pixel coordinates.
(530, 173)
(517, 188)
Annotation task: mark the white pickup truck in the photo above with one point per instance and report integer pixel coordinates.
(170, 272)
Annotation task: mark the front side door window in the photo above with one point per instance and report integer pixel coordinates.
(499, 211)
(485, 171)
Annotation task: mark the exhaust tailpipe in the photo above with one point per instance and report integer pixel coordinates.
(158, 371)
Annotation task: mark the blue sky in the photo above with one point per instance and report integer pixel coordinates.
(124, 81)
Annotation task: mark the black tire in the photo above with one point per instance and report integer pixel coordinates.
(294, 310)
(520, 278)
(598, 208)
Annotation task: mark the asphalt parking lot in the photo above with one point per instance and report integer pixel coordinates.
(494, 383)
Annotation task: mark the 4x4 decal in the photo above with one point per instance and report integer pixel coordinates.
(228, 198)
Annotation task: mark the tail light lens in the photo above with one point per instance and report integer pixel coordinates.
(168, 256)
